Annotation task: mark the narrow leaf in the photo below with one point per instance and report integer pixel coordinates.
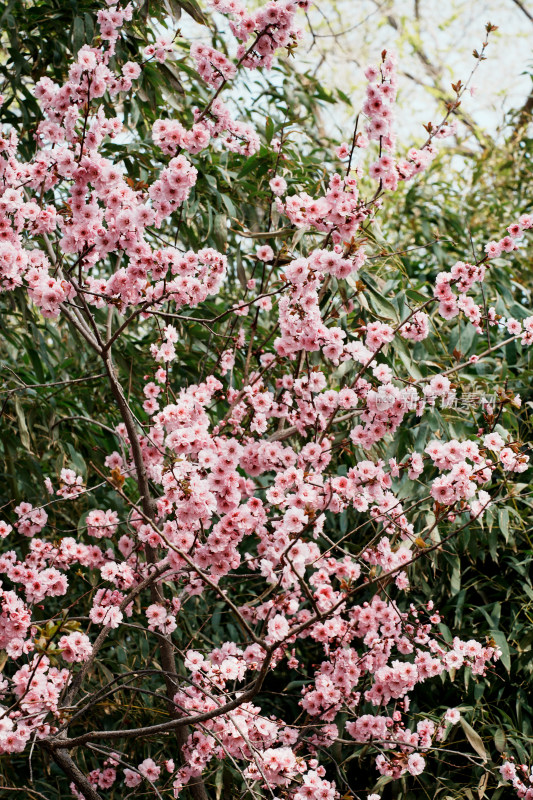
(23, 428)
(474, 739)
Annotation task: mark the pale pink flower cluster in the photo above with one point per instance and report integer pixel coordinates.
(417, 329)
(235, 494)
(339, 212)
(161, 49)
(15, 621)
(233, 135)
(278, 185)
(71, 485)
(379, 102)
(226, 362)
(173, 187)
(463, 478)
(75, 647)
(463, 276)
(184, 278)
(102, 523)
(111, 20)
(494, 249)
(214, 67)
(160, 620)
(379, 109)
(106, 777)
(265, 743)
(105, 213)
(385, 408)
(272, 26)
(30, 520)
(383, 630)
(170, 135)
(38, 687)
(299, 312)
(521, 777)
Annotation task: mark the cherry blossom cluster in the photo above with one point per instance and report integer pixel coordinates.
(385, 632)
(37, 686)
(379, 111)
(521, 777)
(257, 490)
(273, 26)
(463, 276)
(170, 135)
(173, 187)
(15, 621)
(300, 318)
(406, 744)
(216, 125)
(417, 328)
(214, 67)
(103, 213)
(106, 776)
(379, 101)
(234, 135)
(339, 212)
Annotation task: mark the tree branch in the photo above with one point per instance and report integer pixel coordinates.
(72, 771)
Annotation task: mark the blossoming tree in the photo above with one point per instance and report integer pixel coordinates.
(232, 610)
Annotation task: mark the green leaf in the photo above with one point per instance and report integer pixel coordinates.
(500, 740)
(220, 231)
(269, 130)
(250, 165)
(174, 9)
(193, 10)
(379, 303)
(344, 97)
(503, 521)
(23, 428)
(402, 349)
(241, 274)
(230, 207)
(172, 76)
(78, 34)
(295, 685)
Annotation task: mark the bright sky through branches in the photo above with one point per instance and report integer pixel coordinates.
(434, 42)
